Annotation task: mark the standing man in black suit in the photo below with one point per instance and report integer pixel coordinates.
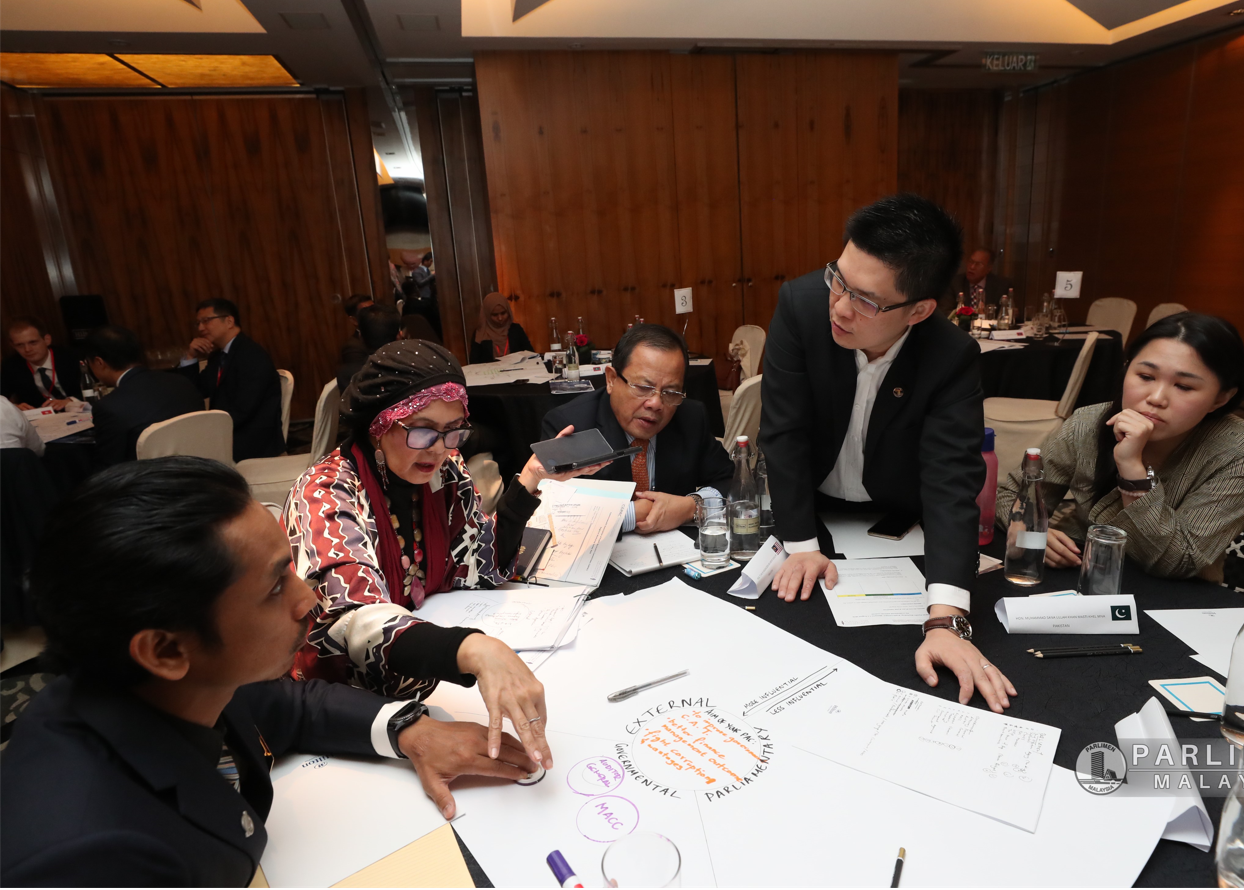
(644, 403)
(147, 764)
(872, 401)
(37, 375)
(139, 397)
(239, 378)
(977, 278)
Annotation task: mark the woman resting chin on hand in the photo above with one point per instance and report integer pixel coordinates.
(1164, 462)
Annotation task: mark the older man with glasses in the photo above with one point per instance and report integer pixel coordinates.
(872, 402)
(644, 403)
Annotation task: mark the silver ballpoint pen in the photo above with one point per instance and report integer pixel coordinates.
(629, 691)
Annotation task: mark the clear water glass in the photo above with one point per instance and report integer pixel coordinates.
(1229, 855)
(642, 859)
(713, 522)
(1101, 568)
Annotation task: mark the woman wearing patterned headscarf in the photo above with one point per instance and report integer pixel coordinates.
(498, 333)
(392, 517)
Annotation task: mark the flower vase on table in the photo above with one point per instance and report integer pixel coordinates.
(964, 316)
(583, 345)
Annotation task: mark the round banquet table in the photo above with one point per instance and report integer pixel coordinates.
(1084, 697)
(512, 413)
(1042, 368)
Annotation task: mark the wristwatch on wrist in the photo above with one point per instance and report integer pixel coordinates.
(403, 718)
(1139, 485)
(699, 506)
(956, 623)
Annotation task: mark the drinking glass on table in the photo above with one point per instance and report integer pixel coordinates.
(642, 859)
(713, 522)
(1102, 568)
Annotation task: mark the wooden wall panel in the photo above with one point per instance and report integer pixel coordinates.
(947, 147)
(170, 200)
(1208, 248)
(707, 162)
(368, 191)
(1131, 174)
(278, 233)
(818, 139)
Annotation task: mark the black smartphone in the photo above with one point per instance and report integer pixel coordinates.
(893, 526)
(578, 450)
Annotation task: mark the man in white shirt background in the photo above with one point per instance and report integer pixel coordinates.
(872, 402)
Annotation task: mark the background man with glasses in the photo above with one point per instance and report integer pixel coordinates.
(872, 402)
(644, 403)
(239, 378)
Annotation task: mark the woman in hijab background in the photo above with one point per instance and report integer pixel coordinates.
(498, 333)
(392, 517)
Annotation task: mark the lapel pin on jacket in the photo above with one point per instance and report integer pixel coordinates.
(898, 392)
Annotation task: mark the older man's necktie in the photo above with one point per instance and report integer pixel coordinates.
(639, 466)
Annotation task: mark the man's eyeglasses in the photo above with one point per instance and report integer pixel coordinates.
(862, 305)
(206, 318)
(671, 397)
(421, 438)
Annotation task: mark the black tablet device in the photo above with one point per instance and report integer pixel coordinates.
(578, 450)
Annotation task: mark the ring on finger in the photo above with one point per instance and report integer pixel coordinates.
(534, 720)
(985, 664)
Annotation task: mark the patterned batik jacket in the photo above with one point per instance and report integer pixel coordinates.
(333, 543)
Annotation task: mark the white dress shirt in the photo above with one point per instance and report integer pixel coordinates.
(46, 363)
(846, 480)
(628, 521)
(15, 429)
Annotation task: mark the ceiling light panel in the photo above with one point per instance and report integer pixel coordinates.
(212, 70)
(68, 71)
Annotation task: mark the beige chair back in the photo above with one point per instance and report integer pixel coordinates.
(327, 416)
(744, 419)
(1068, 402)
(287, 396)
(1113, 314)
(199, 434)
(1162, 310)
(754, 338)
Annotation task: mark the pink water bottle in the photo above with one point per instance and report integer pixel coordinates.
(989, 494)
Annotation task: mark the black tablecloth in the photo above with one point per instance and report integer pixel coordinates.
(512, 413)
(1041, 370)
(1084, 697)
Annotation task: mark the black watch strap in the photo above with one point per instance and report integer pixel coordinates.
(403, 718)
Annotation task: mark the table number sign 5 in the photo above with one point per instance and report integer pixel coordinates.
(1067, 285)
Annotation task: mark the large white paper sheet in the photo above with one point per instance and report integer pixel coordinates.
(761, 808)
(1209, 632)
(526, 367)
(51, 427)
(332, 816)
(852, 540)
(877, 591)
(520, 616)
(995, 345)
(765, 677)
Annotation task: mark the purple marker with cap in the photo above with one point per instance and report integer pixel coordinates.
(561, 870)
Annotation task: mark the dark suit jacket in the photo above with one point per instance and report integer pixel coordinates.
(250, 391)
(17, 382)
(142, 398)
(922, 454)
(518, 342)
(100, 789)
(688, 457)
(995, 289)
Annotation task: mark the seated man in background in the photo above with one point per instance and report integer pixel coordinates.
(872, 401)
(147, 764)
(239, 378)
(140, 397)
(644, 403)
(977, 278)
(38, 375)
(353, 350)
(377, 325)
